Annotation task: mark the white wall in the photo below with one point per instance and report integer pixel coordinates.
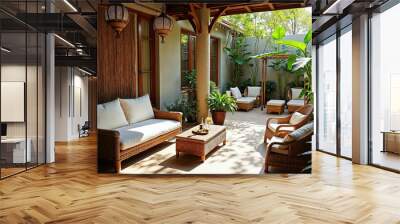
(169, 63)
(69, 112)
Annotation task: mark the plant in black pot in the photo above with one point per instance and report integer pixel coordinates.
(219, 104)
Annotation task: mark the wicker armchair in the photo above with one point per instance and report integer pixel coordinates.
(282, 126)
(292, 153)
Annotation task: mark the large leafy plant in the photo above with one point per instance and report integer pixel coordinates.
(219, 102)
(239, 57)
(299, 62)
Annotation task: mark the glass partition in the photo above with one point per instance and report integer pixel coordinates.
(346, 92)
(385, 89)
(22, 78)
(327, 95)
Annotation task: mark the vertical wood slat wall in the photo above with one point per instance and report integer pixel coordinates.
(116, 60)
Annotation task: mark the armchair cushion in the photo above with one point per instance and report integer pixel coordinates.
(138, 109)
(137, 133)
(236, 93)
(296, 94)
(253, 91)
(278, 148)
(110, 115)
(302, 132)
(274, 126)
(295, 103)
(246, 100)
(297, 118)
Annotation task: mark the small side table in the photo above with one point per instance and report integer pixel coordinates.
(391, 141)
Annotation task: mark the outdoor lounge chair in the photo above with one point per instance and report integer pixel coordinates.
(282, 126)
(291, 153)
(295, 101)
(250, 99)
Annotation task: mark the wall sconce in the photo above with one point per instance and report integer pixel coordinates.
(117, 16)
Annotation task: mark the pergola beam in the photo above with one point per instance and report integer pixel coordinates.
(215, 18)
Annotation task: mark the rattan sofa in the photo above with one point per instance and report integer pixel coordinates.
(118, 144)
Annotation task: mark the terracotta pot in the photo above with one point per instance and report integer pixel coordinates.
(218, 117)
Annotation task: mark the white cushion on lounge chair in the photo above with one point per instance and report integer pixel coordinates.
(297, 118)
(296, 94)
(137, 133)
(274, 126)
(281, 149)
(246, 100)
(276, 102)
(253, 91)
(236, 93)
(296, 103)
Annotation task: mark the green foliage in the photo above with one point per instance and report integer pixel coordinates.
(239, 57)
(213, 87)
(263, 24)
(221, 102)
(270, 89)
(244, 84)
(187, 107)
(189, 79)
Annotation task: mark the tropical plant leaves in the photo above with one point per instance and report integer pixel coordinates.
(294, 43)
(300, 63)
(290, 61)
(308, 37)
(279, 33)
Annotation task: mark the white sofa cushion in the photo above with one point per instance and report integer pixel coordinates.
(296, 103)
(276, 102)
(296, 94)
(246, 100)
(138, 109)
(110, 115)
(297, 118)
(236, 93)
(253, 91)
(137, 133)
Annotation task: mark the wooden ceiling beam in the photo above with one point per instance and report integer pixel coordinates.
(194, 19)
(215, 18)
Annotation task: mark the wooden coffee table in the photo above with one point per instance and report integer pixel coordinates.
(200, 145)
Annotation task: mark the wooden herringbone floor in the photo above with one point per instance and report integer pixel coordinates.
(70, 191)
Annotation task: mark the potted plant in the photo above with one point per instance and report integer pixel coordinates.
(219, 104)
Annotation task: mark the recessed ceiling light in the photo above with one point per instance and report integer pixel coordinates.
(70, 5)
(64, 40)
(5, 50)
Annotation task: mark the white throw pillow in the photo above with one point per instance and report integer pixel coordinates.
(110, 115)
(236, 93)
(253, 91)
(138, 109)
(296, 94)
(296, 118)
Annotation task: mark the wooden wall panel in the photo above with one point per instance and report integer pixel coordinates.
(92, 84)
(116, 60)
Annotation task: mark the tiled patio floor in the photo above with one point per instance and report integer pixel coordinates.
(244, 152)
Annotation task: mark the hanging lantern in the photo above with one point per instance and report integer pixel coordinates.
(162, 25)
(117, 16)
